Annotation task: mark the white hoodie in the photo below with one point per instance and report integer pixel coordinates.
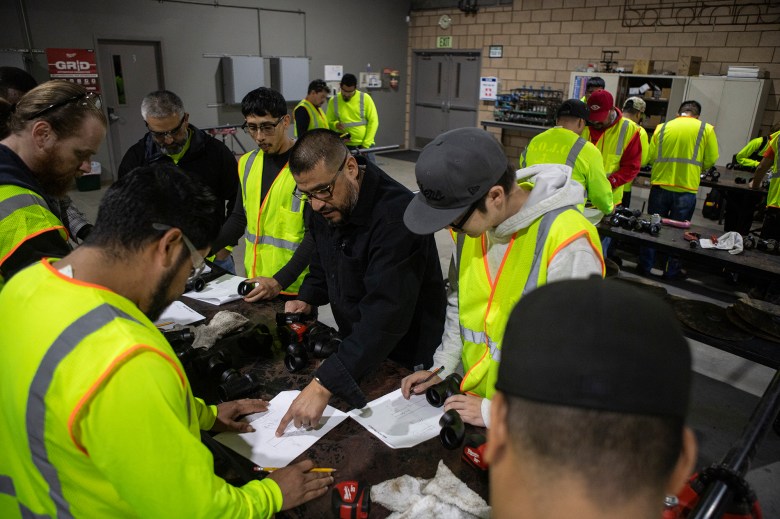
(553, 189)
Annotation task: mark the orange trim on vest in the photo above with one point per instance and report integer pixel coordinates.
(493, 286)
(74, 281)
(31, 236)
(586, 234)
(139, 348)
(259, 214)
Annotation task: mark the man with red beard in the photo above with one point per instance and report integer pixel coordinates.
(55, 130)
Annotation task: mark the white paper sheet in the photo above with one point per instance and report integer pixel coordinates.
(177, 313)
(398, 422)
(219, 291)
(264, 448)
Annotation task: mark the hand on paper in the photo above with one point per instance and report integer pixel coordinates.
(415, 379)
(297, 306)
(265, 288)
(299, 486)
(306, 410)
(229, 412)
(468, 406)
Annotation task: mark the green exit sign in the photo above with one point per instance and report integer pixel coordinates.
(444, 42)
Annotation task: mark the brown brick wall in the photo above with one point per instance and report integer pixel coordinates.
(545, 40)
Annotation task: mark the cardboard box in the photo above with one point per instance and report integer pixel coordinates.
(652, 121)
(666, 93)
(689, 66)
(643, 66)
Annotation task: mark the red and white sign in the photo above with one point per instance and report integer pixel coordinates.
(75, 65)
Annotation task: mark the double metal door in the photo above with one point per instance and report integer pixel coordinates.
(446, 93)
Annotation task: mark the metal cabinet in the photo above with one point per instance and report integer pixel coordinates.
(734, 106)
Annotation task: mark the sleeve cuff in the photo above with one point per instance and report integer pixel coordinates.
(207, 414)
(485, 409)
(335, 377)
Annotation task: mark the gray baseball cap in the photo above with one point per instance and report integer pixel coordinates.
(453, 171)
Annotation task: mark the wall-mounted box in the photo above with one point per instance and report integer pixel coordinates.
(689, 66)
(643, 66)
(290, 76)
(241, 75)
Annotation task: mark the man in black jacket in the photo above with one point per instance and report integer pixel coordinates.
(172, 139)
(384, 283)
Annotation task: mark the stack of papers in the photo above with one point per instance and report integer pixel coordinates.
(398, 422)
(219, 291)
(743, 71)
(177, 314)
(264, 448)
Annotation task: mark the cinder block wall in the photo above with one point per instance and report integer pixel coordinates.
(545, 40)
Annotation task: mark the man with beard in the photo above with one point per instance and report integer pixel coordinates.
(383, 282)
(171, 139)
(55, 130)
(266, 213)
(98, 417)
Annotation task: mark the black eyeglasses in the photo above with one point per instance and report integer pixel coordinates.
(458, 226)
(198, 261)
(91, 98)
(266, 128)
(317, 194)
(169, 133)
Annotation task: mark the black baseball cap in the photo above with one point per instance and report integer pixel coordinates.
(453, 171)
(573, 108)
(596, 344)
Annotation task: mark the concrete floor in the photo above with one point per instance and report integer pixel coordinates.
(726, 387)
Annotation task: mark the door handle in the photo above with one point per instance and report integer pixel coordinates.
(112, 116)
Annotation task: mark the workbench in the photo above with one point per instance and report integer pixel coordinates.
(350, 448)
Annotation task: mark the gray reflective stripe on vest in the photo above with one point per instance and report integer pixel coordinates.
(361, 122)
(85, 325)
(20, 201)
(248, 167)
(541, 238)
(295, 203)
(480, 338)
(270, 240)
(696, 147)
(622, 137)
(7, 487)
(574, 152)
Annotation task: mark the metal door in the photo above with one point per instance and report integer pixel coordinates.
(446, 93)
(129, 70)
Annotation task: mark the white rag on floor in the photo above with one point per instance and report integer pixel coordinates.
(223, 323)
(731, 241)
(443, 496)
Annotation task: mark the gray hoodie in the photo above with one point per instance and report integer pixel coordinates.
(553, 189)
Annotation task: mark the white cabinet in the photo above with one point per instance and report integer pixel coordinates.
(734, 106)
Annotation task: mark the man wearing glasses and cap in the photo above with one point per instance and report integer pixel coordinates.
(384, 283)
(267, 213)
(171, 139)
(55, 130)
(515, 231)
(98, 417)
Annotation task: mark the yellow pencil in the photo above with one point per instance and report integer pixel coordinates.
(271, 469)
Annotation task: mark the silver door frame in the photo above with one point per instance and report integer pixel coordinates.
(106, 81)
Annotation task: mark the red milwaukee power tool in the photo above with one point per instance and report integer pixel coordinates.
(351, 500)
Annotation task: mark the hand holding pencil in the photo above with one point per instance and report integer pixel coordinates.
(419, 381)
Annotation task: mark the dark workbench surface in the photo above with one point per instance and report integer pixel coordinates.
(355, 452)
